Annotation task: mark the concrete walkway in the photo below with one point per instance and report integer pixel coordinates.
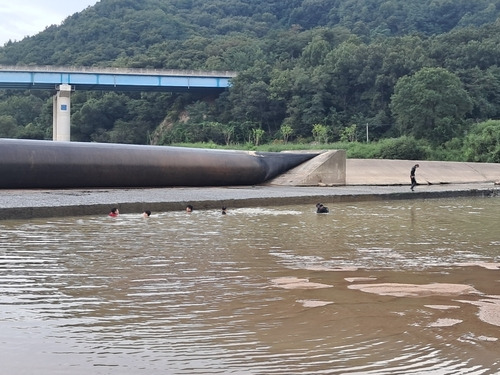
(366, 180)
(397, 172)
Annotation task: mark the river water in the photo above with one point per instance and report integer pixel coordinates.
(389, 287)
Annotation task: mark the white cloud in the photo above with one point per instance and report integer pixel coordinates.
(19, 19)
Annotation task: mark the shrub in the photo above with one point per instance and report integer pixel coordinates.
(482, 144)
(405, 148)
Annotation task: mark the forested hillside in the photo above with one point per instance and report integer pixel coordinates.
(425, 73)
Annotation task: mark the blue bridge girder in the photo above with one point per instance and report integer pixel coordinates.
(112, 79)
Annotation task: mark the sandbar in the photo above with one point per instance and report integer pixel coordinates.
(415, 290)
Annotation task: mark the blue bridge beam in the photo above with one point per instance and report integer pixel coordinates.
(112, 79)
(105, 79)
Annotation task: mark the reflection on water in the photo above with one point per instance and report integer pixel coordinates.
(257, 291)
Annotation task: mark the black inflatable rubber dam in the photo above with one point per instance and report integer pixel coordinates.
(48, 164)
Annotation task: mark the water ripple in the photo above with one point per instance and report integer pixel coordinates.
(193, 294)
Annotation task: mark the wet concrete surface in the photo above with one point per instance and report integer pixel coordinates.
(27, 204)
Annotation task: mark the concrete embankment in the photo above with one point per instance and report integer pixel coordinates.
(366, 180)
(331, 168)
(397, 172)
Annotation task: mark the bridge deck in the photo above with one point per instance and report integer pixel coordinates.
(48, 78)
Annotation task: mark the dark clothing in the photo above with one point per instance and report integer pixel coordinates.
(412, 177)
(320, 209)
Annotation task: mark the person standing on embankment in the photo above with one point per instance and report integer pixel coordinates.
(412, 176)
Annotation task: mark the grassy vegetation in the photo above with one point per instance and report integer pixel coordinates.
(400, 148)
(481, 144)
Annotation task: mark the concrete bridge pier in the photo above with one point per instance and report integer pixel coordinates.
(61, 123)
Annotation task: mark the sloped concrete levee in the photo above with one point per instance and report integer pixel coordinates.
(326, 169)
(331, 168)
(397, 172)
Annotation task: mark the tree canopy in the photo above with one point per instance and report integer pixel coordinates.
(427, 69)
(430, 104)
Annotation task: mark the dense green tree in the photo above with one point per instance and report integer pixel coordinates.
(100, 113)
(8, 127)
(482, 144)
(483, 86)
(345, 65)
(315, 52)
(299, 63)
(399, 57)
(430, 104)
(23, 108)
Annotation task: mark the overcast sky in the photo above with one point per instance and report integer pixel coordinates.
(20, 18)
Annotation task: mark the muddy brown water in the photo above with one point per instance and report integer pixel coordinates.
(395, 287)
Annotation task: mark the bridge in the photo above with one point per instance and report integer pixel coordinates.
(65, 80)
(111, 79)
